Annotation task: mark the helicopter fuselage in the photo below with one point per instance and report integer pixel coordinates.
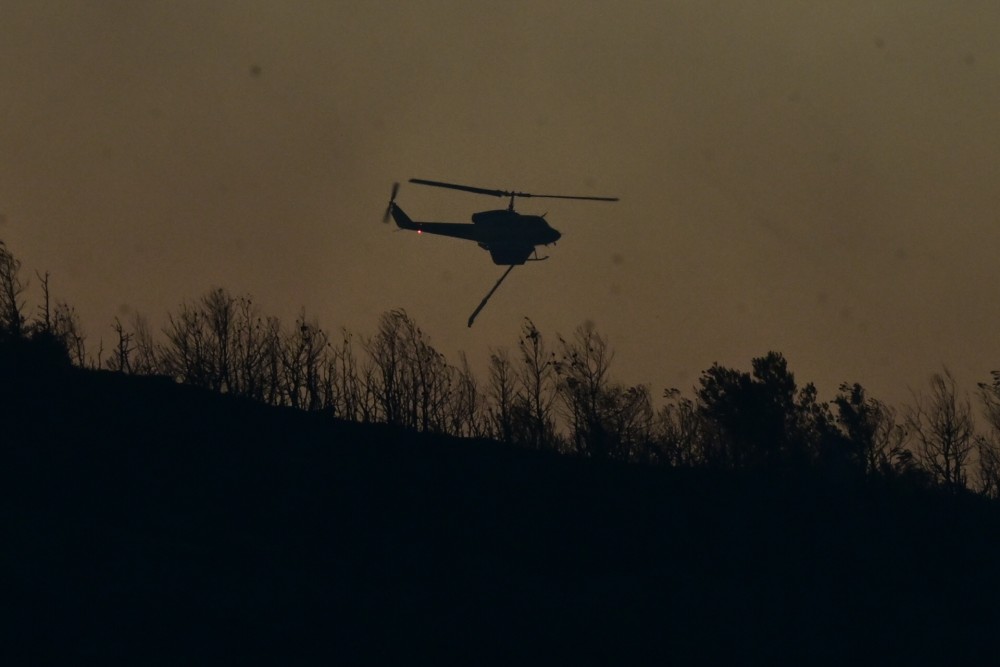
(510, 237)
(506, 225)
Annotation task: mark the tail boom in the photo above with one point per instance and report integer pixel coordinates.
(403, 221)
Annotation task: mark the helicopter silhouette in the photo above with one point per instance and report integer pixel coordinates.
(510, 237)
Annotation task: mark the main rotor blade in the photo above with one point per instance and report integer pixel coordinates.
(525, 194)
(466, 188)
(502, 193)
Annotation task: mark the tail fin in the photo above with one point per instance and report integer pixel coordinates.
(402, 220)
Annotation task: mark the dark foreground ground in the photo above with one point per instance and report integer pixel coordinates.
(148, 523)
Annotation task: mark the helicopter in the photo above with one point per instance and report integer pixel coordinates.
(511, 238)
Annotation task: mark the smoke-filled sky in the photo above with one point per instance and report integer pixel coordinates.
(814, 178)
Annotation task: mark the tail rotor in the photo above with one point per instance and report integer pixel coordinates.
(392, 202)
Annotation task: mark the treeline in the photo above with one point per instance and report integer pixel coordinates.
(554, 394)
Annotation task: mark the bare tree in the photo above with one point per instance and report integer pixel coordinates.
(255, 362)
(221, 343)
(988, 444)
(356, 381)
(679, 432)
(218, 308)
(386, 349)
(145, 360)
(346, 383)
(44, 322)
(466, 404)
(185, 354)
(942, 429)
(66, 327)
(368, 382)
(433, 383)
(412, 379)
(304, 361)
(122, 361)
(628, 419)
(501, 393)
(12, 305)
(135, 351)
(534, 421)
(583, 387)
(607, 420)
(988, 449)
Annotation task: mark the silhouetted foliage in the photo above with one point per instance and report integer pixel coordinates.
(48, 343)
(737, 420)
(152, 522)
(762, 419)
(41, 354)
(764, 520)
(537, 397)
(873, 440)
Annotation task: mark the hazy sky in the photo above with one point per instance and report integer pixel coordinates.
(814, 178)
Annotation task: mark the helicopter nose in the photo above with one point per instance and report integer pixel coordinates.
(555, 236)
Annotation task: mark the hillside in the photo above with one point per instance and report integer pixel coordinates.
(148, 522)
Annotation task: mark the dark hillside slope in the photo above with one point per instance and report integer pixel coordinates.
(152, 522)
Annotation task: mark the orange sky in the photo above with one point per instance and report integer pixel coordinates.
(815, 180)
